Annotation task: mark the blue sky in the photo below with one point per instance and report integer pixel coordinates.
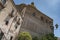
(49, 7)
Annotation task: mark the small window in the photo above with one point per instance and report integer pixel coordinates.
(11, 15)
(11, 38)
(7, 22)
(18, 21)
(51, 23)
(52, 28)
(16, 25)
(46, 21)
(42, 18)
(33, 14)
(15, 19)
(1, 34)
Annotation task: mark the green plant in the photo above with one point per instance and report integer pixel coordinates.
(35, 38)
(56, 25)
(24, 36)
(49, 37)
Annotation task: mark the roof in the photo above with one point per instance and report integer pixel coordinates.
(14, 6)
(21, 6)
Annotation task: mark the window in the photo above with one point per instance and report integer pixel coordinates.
(52, 28)
(11, 15)
(46, 21)
(33, 14)
(17, 24)
(7, 20)
(51, 23)
(1, 34)
(15, 19)
(18, 21)
(11, 38)
(42, 18)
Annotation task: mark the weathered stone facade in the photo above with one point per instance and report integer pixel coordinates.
(10, 20)
(35, 21)
(19, 18)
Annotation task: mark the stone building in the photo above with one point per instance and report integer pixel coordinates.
(10, 20)
(35, 21)
(22, 18)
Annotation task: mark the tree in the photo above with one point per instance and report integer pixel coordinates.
(49, 36)
(56, 25)
(24, 36)
(35, 38)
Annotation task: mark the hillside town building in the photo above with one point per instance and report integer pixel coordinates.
(22, 18)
